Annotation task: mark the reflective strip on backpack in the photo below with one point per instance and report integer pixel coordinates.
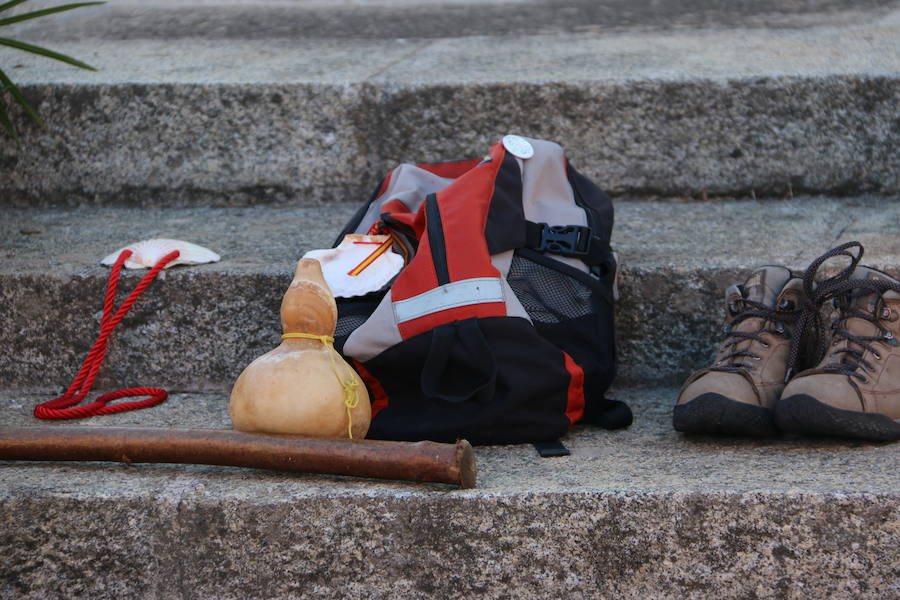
(477, 290)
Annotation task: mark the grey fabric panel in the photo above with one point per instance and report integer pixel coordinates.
(514, 308)
(502, 262)
(410, 185)
(547, 195)
(376, 335)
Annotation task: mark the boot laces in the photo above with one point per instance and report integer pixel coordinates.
(842, 290)
(849, 359)
(744, 308)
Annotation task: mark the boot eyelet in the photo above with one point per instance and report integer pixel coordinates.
(888, 335)
(885, 314)
(876, 355)
(779, 328)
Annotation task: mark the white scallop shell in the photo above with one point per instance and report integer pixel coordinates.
(353, 250)
(148, 252)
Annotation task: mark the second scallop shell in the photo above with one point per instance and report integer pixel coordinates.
(148, 252)
(372, 263)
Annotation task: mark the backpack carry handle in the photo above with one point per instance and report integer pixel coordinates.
(459, 346)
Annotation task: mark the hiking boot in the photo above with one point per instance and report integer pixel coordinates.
(854, 391)
(737, 393)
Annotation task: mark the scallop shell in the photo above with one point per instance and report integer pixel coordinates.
(148, 252)
(352, 251)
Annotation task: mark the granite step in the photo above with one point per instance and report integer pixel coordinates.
(634, 514)
(722, 105)
(404, 19)
(197, 327)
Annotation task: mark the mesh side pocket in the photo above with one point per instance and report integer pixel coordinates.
(348, 324)
(353, 312)
(547, 295)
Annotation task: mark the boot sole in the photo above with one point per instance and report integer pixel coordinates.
(712, 413)
(805, 415)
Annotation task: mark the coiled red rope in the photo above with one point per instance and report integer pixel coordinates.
(65, 407)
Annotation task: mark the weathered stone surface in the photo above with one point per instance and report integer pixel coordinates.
(642, 513)
(673, 138)
(197, 328)
(299, 121)
(445, 546)
(226, 19)
(168, 144)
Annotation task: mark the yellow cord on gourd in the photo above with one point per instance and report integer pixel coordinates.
(351, 399)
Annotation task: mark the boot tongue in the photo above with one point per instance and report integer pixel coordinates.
(765, 284)
(763, 287)
(869, 302)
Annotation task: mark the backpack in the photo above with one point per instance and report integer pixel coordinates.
(499, 328)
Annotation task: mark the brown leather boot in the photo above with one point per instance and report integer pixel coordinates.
(855, 390)
(736, 395)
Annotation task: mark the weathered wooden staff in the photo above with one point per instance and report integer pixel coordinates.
(409, 461)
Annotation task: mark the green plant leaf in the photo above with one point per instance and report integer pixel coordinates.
(11, 4)
(46, 11)
(44, 52)
(19, 97)
(7, 124)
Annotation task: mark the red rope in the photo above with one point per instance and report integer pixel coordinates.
(64, 406)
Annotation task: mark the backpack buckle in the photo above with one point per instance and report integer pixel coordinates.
(565, 240)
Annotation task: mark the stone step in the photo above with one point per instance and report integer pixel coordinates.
(197, 328)
(739, 111)
(392, 19)
(635, 514)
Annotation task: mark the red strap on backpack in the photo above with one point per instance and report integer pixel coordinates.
(64, 407)
(454, 222)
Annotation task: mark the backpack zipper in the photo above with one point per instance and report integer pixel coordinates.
(436, 241)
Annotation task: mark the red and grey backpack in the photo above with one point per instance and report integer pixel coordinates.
(499, 328)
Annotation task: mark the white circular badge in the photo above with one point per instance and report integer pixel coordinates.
(518, 146)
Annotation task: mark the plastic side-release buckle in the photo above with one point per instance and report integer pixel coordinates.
(565, 240)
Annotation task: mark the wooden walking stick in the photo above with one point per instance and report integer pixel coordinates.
(409, 461)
